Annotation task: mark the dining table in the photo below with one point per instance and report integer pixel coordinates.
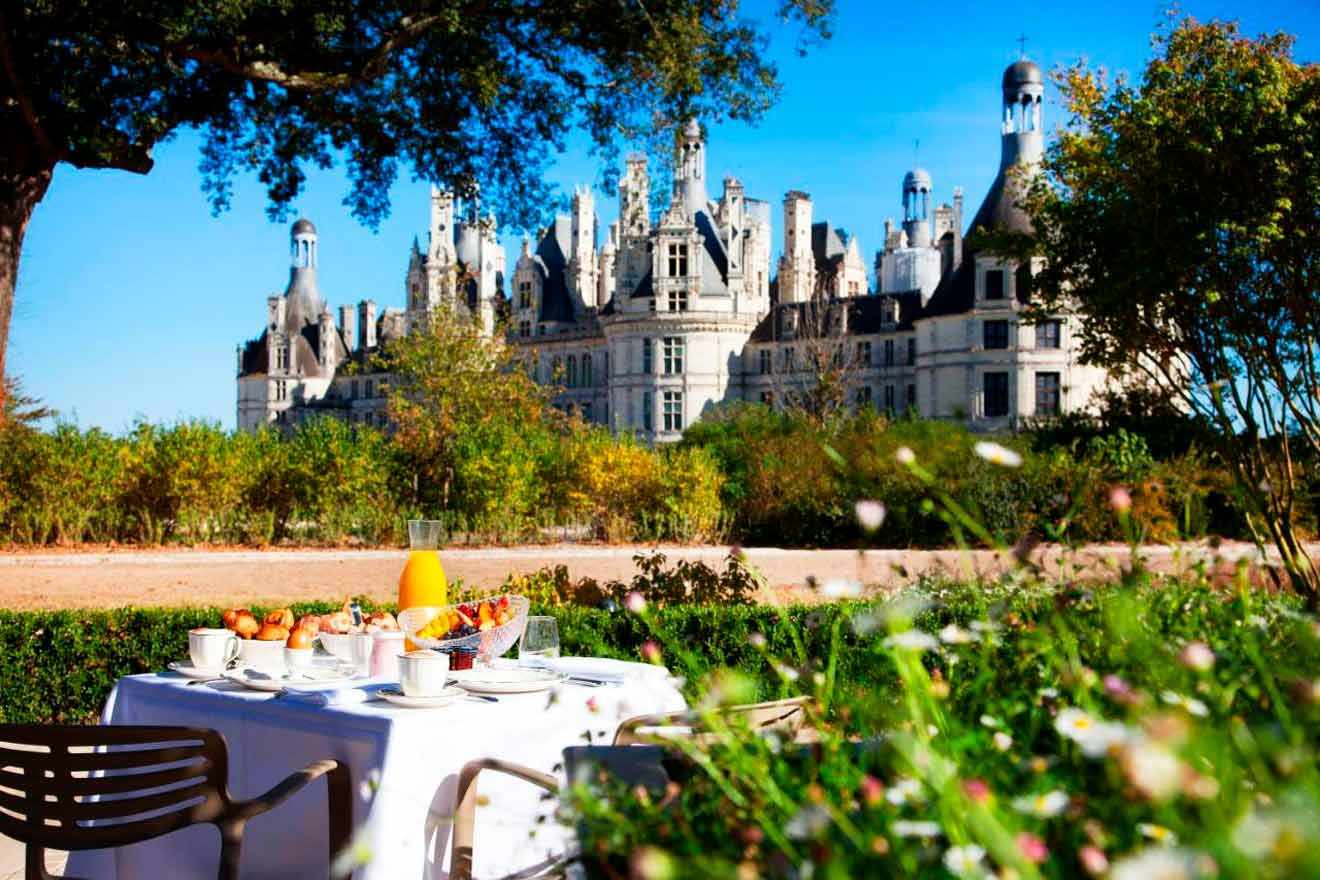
(404, 764)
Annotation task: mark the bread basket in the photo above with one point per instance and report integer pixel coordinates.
(493, 642)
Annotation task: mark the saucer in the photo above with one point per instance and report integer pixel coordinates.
(187, 670)
(399, 698)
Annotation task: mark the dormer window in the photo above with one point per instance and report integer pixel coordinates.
(994, 284)
(678, 261)
(888, 312)
(524, 294)
(678, 300)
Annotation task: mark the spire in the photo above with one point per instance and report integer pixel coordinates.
(304, 298)
(690, 169)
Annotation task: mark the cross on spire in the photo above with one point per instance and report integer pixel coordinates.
(1022, 45)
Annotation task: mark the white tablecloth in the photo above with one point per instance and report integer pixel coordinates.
(404, 763)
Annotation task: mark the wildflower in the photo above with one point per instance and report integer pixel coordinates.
(912, 640)
(873, 790)
(977, 790)
(1200, 786)
(652, 863)
(1003, 742)
(1093, 736)
(756, 640)
(964, 860)
(1165, 864)
(1197, 655)
(1049, 693)
(953, 634)
(908, 828)
(1032, 847)
(651, 652)
(1120, 499)
(635, 602)
(870, 515)
(1093, 860)
(904, 789)
(989, 721)
(1157, 833)
(879, 845)
(1272, 833)
(841, 588)
(1119, 690)
(996, 454)
(1042, 806)
(1152, 769)
(592, 705)
(905, 456)
(808, 822)
(1188, 704)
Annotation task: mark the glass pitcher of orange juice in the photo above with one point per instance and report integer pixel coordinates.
(423, 579)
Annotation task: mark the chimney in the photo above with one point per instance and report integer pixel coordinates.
(367, 324)
(348, 326)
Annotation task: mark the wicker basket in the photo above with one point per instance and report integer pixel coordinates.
(491, 643)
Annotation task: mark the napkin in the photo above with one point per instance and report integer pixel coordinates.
(349, 695)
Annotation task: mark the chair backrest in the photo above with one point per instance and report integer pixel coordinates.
(778, 716)
(87, 787)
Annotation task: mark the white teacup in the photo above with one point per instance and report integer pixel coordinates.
(423, 673)
(298, 659)
(212, 648)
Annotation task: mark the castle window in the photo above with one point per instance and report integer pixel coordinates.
(673, 355)
(888, 312)
(889, 398)
(889, 352)
(1048, 334)
(673, 411)
(678, 300)
(912, 351)
(854, 288)
(572, 371)
(648, 412)
(367, 389)
(995, 386)
(994, 284)
(586, 411)
(648, 357)
(1047, 394)
(995, 334)
(864, 396)
(586, 371)
(605, 365)
(524, 329)
(525, 295)
(678, 260)
(864, 353)
(766, 363)
(788, 360)
(912, 397)
(282, 357)
(353, 390)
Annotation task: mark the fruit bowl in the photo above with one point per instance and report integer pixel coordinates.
(490, 642)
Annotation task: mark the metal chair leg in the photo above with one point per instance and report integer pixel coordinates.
(231, 849)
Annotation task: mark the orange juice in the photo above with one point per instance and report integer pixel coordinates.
(423, 579)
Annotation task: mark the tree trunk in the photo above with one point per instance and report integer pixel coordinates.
(19, 195)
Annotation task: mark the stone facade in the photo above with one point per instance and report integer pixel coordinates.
(677, 311)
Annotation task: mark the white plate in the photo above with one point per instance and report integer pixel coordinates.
(260, 680)
(187, 670)
(399, 698)
(496, 680)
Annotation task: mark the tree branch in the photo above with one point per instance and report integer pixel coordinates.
(49, 154)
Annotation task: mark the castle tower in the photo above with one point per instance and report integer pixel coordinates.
(582, 267)
(690, 169)
(797, 266)
(441, 255)
(635, 198)
(1023, 141)
(916, 207)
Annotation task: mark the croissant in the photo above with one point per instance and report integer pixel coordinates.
(280, 617)
(271, 632)
(337, 622)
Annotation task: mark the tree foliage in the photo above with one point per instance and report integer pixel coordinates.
(1182, 213)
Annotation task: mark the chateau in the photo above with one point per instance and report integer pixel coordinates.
(679, 311)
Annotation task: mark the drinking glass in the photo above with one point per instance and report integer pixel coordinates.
(360, 648)
(540, 640)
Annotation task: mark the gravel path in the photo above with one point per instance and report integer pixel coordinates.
(231, 577)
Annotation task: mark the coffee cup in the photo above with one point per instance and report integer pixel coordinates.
(212, 648)
(423, 673)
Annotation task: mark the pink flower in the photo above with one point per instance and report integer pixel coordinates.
(873, 790)
(635, 602)
(1093, 860)
(592, 706)
(1120, 499)
(1032, 847)
(977, 790)
(1119, 690)
(1197, 655)
(651, 653)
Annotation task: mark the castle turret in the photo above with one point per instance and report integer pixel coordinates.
(797, 266)
(1022, 145)
(916, 207)
(690, 169)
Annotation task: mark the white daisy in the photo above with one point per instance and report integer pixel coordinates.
(912, 640)
(953, 634)
(908, 828)
(904, 789)
(1003, 742)
(870, 515)
(1157, 833)
(996, 454)
(1094, 736)
(905, 455)
(964, 860)
(1190, 705)
(1043, 806)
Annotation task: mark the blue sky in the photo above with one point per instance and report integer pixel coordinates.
(132, 297)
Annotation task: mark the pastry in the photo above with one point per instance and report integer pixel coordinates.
(241, 622)
(280, 617)
(310, 622)
(271, 632)
(299, 638)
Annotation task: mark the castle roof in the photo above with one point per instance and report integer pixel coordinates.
(865, 315)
